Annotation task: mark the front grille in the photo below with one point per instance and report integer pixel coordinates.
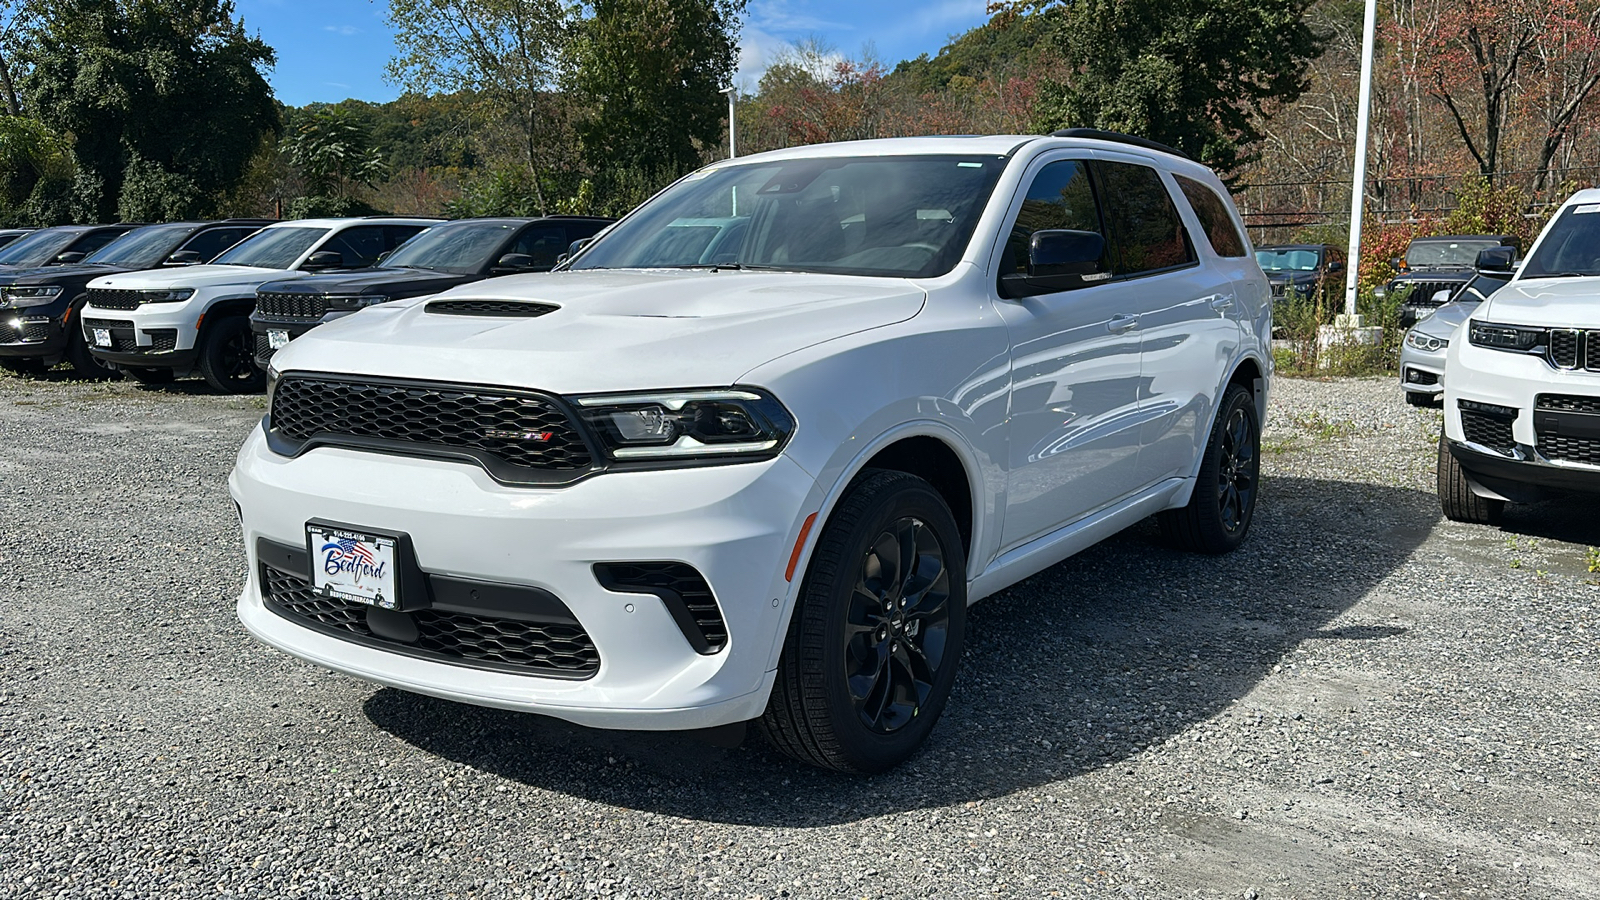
(462, 638)
(1567, 403)
(1417, 376)
(1489, 431)
(263, 347)
(1563, 348)
(506, 308)
(681, 588)
(107, 323)
(1592, 354)
(1570, 449)
(101, 298)
(1278, 290)
(1422, 291)
(522, 430)
(291, 306)
(163, 340)
(122, 334)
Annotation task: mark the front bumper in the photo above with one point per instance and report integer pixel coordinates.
(1422, 372)
(735, 525)
(155, 335)
(261, 326)
(26, 333)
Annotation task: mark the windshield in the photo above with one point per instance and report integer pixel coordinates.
(896, 216)
(1301, 260)
(38, 248)
(1481, 286)
(142, 248)
(1570, 245)
(1446, 253)
(461, 249)
(271, 248)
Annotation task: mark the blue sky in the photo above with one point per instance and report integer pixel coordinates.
(333, 49)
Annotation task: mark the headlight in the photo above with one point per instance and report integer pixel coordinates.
(1424, 342)
(173, 296)
(32, 296)
(1514, 338)
(354, 301)
(272, 384)
(690, 425)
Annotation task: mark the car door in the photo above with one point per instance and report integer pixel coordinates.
(1074, 396)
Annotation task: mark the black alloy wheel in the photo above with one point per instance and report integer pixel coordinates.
(1218, 515)
(873, 643)
(228, 357)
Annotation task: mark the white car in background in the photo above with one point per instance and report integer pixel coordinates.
(166, 322)
(750, 456)
(1522, 378)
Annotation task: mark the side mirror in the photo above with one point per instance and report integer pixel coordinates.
(1335, 266)
(517, 262)
(68, 258)
(325, 259)
(1440, 298)
(579, 244)
(1058, 259)
(1398, 264)
(381, 257)
(184, 258)
(1497, 260)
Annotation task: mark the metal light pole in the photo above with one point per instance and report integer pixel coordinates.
(732, 92)
(1358, 185)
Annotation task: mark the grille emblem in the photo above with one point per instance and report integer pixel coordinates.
(506, 434)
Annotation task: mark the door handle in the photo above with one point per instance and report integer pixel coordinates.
(1221, 302)
(1122, 324)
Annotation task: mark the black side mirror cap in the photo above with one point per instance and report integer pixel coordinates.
(518, 262)
(1497, 260)
(1059, 259)
(68, 258)
(324, 259)
(1335, 266)
(184, 258)
(579, 244)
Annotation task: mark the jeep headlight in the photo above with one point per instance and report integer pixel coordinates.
(1425, 342)
(32, 296)
(1513, 338)
(272, 384)
(348, 302)
(177, 295)
(688, 425)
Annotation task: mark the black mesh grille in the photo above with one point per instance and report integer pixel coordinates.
(1592, 350)
(1422, 291)
(35, 331)
(677, 584)
(122, 337)
(163, 340)
(1564, 348)
(263, 347)
(1417, 376)
(107, 323)
(291, 306)
(9, 334)
(108, 299)
(505, 308)
(521, 430)
(1488, 431)
(1570, 449)
(453, 636)
(1567, 403)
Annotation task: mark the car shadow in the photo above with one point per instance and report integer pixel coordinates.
(1086, 664)
(1569, 519)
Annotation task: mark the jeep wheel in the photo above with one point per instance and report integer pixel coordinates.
(228, 358)
(872, 647)
(1456, 498)
(1224, 500)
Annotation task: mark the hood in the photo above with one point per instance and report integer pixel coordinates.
(193, 277)
(1442, 322)
(1295, 277)
(612, 330)
(384, 282)
(1551, 302)
(57, 274)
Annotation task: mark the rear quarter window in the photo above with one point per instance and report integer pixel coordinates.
(1144, 221)
(1212, 211)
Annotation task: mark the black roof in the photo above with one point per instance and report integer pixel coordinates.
(1118, 137)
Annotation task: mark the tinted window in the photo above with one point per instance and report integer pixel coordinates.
(142, 248)
(8, 238)
(1143, 219)
(38, 248)
(360, 246)
(1446, 253)
(1569, 246)
(1061, 196)
(271, 248)
(93, 241)
(1285, 259)
(463, 248)
(395, 235)
(1212, 211)
(212, 241)
(543, 244)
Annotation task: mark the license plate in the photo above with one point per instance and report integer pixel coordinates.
(353, 565)
(277, 339)
(102, 337)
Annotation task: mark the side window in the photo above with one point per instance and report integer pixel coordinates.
(543, 244)
(1060, 196)
(91, 242)
(360, 246)
(1140, 212)
(213, 241)
(1212, 211)
(395, 235)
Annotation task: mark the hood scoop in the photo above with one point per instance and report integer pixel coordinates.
(507, 309)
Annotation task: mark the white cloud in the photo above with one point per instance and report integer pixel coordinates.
(346, 30)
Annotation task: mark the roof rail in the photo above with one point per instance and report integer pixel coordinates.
(1118, 137)
(393, 216)
(247, 220)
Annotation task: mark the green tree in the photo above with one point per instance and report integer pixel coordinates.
(36, 174)
(165, 100)
(334, 153)
(1198, 75)
(653, 71)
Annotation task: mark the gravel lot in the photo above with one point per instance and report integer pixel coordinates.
(1364, 701)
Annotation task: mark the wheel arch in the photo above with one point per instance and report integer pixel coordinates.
(1249, 372)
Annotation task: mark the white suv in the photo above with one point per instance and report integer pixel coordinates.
(1522, 378)
(167, 322)
(752, 453)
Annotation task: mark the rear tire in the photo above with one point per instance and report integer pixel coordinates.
(149, 375)
(84, 365)
(1456, 498)
(1220, 510)
(872, 647)
(228, 357)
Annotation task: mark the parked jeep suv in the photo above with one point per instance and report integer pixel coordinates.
(1522, 378)
(652, 491)
(1436, 268)
(444, 256)
(45, 300)
(60, 245)
(168, 322)
(1297, 270)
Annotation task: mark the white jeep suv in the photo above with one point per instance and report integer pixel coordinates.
(167, 322)
(1522, 378)
(754, 450)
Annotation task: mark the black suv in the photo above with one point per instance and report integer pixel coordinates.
(38, 305)
(1297, 270)
(442, 257)
(62, 245)
(1434, 264)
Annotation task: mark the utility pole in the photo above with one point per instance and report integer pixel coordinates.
(733, 93)
(1358, 185)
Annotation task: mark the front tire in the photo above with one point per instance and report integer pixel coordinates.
(871, 651)
(1223, 504)
(1456, 498)
(228, 358)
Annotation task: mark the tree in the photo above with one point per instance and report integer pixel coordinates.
(17, 17)
(511, 53)
(1198, 75)
(164, 99)
(652, 72)
(36, 174)
(334, 153)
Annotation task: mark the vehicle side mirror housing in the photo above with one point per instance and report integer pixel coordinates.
(68, 258)
(1440, 298)
(184, 258)
(579, 244)
(1335, 266)
(1497, 259)
(1398, 264)
(325, 259)
(517, 262)
(1059, 259)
